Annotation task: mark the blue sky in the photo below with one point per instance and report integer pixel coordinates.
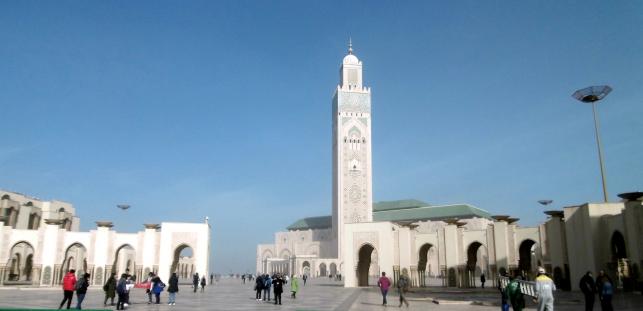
(185, 109)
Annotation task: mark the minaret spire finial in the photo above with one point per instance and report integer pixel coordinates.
(350, 45)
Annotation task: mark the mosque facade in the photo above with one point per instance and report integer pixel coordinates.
(451, 245)
(40, 241)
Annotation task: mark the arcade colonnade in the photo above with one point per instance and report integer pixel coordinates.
(42, 257)
(308, 265)
(454, 255)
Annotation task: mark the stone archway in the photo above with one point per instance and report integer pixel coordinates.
(76, 259)
(322, 270)
(423, 263)
(305, 268)
(364, 264)
(183, 262)
(526, 261)
(20, 263)
(333, 269)
(125, 260)
(620, 262)
(476, 265)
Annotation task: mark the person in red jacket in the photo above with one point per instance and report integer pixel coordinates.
(69, 285)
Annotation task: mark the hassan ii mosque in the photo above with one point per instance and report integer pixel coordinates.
(450, 243)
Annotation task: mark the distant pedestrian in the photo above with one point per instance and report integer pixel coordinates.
(243, 278)
(294, 286)
(121, 291)
(482, 280)
(195, 281)
(515, 295)
(278, 286)
(211, 278)
(606, 292)
(544, 291)
(267, 284)
(403, 284)
(305, 278)
(110, 289)
(172, 289)
(69, 285)
(203, 284)
(588, 287)
(259, 286)
(384, 283)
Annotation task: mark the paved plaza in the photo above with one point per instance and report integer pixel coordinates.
(318, 294)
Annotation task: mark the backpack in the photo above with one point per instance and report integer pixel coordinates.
(79, 284)
(267, 283)
(121, 288)
(402, 283)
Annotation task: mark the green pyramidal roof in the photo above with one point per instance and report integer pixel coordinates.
(401, 210)
(320, 222)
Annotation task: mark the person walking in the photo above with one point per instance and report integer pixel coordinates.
(278, 286)
(504, 300)
(243, 278)
(81, 290)
(384, 283)
(110, 289)
(157, 287)
(69, 285)
(203, 281)
(402, 287)
(606, 292)
(267, 284)
(514, 294)
(211, 277)
(482, 280)
(294, 286)
(588, 287)
(545, 288)
(172, 289)
(305, 278)
(259, 286)
(148, 290)
(121, 290)
(195, 281)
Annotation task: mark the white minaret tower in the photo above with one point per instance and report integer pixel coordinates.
(352, 172)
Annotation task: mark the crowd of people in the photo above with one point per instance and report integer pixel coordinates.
(121, 288)
(265, 282)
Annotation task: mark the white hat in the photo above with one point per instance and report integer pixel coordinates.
(541, 270)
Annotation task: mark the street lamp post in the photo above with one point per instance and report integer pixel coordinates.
(592, 95)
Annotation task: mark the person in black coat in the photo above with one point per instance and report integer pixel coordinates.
(81, 290)
(258, 287)
(278, 286)
(172, 289)
(588, 287)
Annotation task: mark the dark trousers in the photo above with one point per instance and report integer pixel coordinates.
(149, 296)
(196, 285)
(589, 301)
(403, 298)
(107, 297)
(266, 294)
(69, 295)
(606, 303)
(258, 296)
(80, 298)
(277, 297)
(121, 302)
(384, 293)
(158, 298)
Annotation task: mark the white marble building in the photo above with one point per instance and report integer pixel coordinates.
(454, 243)
(39, 241)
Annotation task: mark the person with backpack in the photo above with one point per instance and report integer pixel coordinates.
(157, 288)
(69, 285)
(267, 284)
(172, 289)
(384, 283)
(81, 290)
(482, 280)
(121, 289)
(514, 294)
(259, 287)
(195, 281)
(403, 287)
(110, 289)
(605, 294)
